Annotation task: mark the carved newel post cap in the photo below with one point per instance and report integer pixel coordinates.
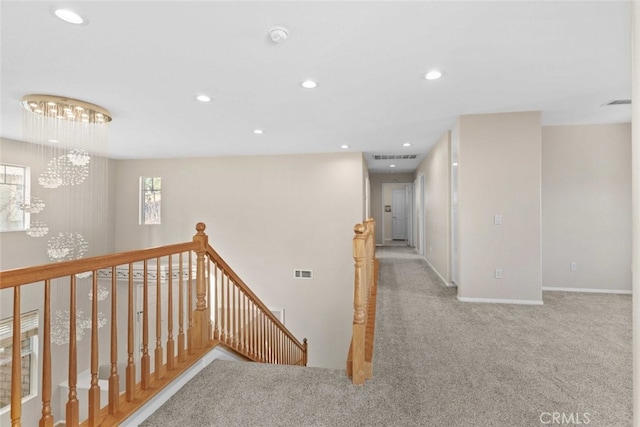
(200, 227)
(358, 228)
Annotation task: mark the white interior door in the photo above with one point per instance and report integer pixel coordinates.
(399, 216)
(409, 213)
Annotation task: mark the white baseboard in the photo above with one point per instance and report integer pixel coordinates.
(590, 290)
(501, 301)
(438, 273)
(150, 407)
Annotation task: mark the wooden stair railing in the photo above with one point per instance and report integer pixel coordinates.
(182, 283)
(360, 357)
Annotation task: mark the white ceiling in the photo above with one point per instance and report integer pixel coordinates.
(145, 62)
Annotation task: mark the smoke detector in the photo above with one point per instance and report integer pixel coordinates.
(278, 34)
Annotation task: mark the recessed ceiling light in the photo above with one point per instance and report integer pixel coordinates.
(309, 84)
(406, 144)
(344, 146)
(455, 164)
(433, 75)
(53, 140)
(69, 16)
(203, 98)
(392, 166)
(258, 131)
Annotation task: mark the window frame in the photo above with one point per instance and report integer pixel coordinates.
(29, 327)
(154, 191)
(26, 195)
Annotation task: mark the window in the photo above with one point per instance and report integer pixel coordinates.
(150, 197)
(29, 350)
(14, 192)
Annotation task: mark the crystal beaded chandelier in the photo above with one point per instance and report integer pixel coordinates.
(68, 141)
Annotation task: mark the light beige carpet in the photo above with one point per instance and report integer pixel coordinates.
(440, 362)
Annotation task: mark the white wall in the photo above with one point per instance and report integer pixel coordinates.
(437, 216)
(586, 207)
(635, 151)
(266, 215)
(499, 173)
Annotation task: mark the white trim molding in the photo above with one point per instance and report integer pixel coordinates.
(501, 301)
(590, 290)
(447, 284)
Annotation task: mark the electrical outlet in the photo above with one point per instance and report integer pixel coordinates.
(574, 266)
(498, 273)
(497, 219)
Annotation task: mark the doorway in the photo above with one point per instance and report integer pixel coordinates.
(397, 203)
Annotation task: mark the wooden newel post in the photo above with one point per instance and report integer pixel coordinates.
(359, 306)
(200, 321)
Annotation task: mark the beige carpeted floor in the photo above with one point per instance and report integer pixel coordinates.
(440, 362)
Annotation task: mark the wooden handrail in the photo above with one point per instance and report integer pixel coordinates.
(360, 356)
(25, 275)
(239, 321)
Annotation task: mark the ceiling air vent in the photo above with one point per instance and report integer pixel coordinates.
(394, 156)
(303, 274)
(620, 102)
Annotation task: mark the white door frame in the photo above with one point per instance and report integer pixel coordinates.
(420, 195)
(382, 204)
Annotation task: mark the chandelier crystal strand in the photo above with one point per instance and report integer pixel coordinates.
(68, 142)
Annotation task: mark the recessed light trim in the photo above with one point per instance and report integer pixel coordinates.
(203, 98)
(69, 16)
(258, 131)
(433, 75)
(309, 84)
(406, 144)
(344, 146)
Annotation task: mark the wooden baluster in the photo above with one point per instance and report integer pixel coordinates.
(276, 347)
(235, 316)
(210, 323)
(171, 360)
(72, 408)
(229, 308)
(263, 341)
(145, 362)
(281, 347)
(131, 367)
(270, 340)
(16, 363)
(253, 329)
(181, 355)
(190, 306)
(241, 321)
(158, 356)
(114, 378)
(245, 323)
(260, 338)
(47, 419)
(305, 352)
(200, 321)
(94, 390)
(359, 308)
(216, 307)
(223, 307)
